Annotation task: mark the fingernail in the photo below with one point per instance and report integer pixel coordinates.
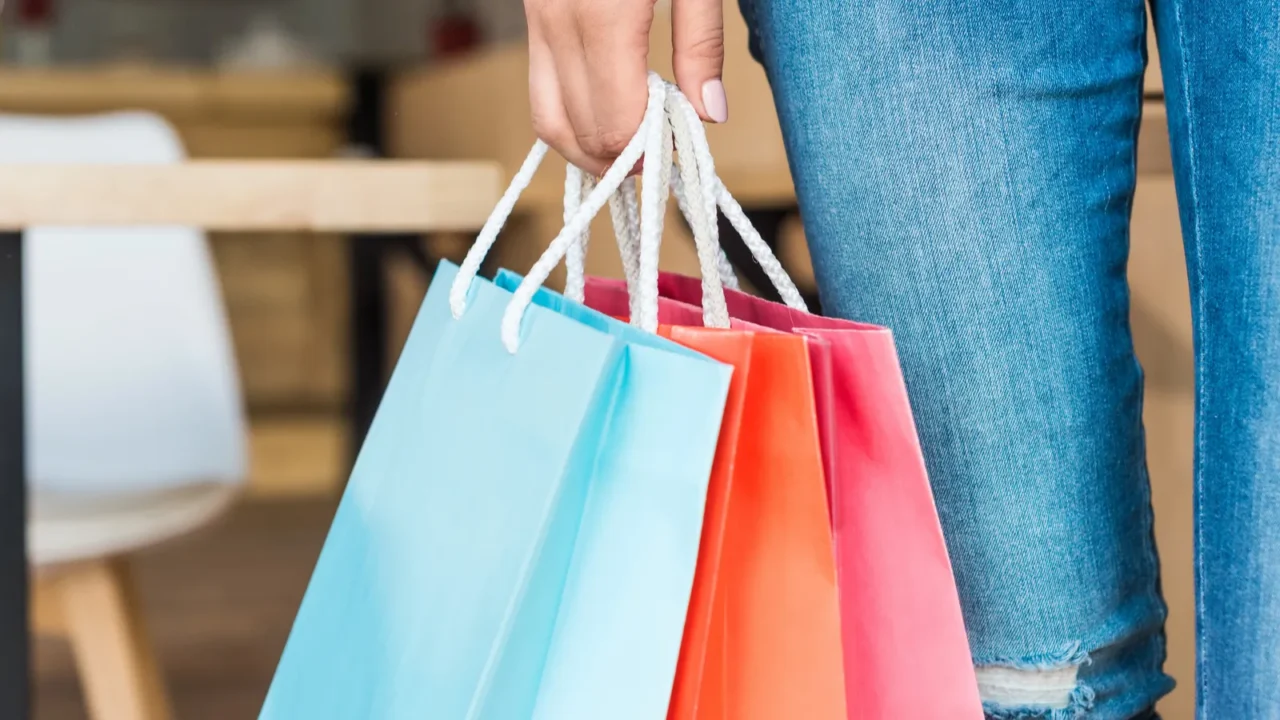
(713, 99)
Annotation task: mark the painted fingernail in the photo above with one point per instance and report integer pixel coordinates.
(713, 99)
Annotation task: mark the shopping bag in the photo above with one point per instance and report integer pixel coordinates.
(906, 653)
(900, 609)
(621, 559)
(519, 534)
(762, 640)
(903, 627)
(767, 646)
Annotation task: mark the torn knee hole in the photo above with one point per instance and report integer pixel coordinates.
(1041, 687)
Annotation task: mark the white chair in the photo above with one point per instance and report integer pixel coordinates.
(136, 432)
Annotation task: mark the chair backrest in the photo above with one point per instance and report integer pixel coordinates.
(130, 373)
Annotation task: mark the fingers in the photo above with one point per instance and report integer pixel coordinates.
(546, 105)
(615, 41)
(697, 28)
(588, 64)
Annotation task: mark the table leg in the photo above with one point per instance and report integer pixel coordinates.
(14, 640)
(368, 333)
(369, 337)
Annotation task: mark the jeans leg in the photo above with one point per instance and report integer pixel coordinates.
(1222, 83)
(966, 171)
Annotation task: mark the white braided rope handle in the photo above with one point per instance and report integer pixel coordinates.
(653, 139)
(714, 193)
(624, 207)
(759, 248)
(655, 189)
(626, 229)
(728, 276)
(700, 210)
(489, 233)
(652, 136)
(626, 223)
(701, 216)
(625, 213)
(576, 183)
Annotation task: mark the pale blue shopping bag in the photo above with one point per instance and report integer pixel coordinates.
(639, 523)
(519, 534)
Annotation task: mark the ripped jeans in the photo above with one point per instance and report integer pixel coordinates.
(966, 171)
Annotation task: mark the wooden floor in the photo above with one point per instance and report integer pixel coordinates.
(220, 604)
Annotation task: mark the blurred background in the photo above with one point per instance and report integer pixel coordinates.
(317, 321)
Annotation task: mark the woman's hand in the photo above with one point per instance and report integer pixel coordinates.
(588, 64)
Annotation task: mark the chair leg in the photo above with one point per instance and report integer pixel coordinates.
(115, 659)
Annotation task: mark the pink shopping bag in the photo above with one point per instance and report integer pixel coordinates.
(905, 648)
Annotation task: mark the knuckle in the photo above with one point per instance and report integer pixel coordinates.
(550, 130)
(604, 143)
(592, 19)
(708, 46)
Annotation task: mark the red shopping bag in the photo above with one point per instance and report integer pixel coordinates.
(906, 653)
(762, 636)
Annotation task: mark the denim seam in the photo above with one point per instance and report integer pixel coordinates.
(1198, 303)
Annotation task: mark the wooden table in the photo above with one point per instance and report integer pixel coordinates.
(319, 196)
(296, 303)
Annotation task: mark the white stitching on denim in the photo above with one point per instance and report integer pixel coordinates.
(1198, 301)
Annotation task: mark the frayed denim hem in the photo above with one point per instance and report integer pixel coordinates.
(1078, 706)
(1038, 687)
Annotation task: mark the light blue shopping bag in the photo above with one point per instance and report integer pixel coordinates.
(519, 534)
(630, 577)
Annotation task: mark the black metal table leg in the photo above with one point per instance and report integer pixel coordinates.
(367, 255)
(15, 696)
(368, 333)
(368, 349)
(369, 336)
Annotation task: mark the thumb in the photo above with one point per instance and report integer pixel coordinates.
(697, 34)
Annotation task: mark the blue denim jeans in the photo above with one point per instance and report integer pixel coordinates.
(966, 171)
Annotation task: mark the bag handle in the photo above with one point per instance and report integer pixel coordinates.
(626, 228)
(641, 270)
(714, 194)
(653, 141)
(625, 213)
(667, 109)
(760, 250)
(699, 209)
(697, 171)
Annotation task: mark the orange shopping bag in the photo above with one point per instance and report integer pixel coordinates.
(762, 637)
